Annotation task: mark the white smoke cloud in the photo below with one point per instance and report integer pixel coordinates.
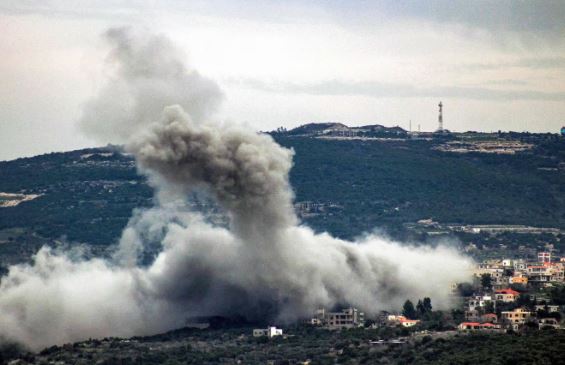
(263, 265)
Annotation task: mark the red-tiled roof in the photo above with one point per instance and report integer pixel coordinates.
(469, 324)
(487, 325)
(490, 315)
(507, 291)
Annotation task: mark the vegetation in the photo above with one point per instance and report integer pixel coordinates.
(236, 345)
(89, 195)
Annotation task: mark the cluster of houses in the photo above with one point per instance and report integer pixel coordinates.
(497, 307)
(545, 272)
(508, 295)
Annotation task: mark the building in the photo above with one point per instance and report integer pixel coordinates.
(495, 271)
(489, 318)
(409, 322)
(548, 322)
(548, 308)
(506, 295)
(517, 316)
(269, 332)
(520, 265)
(518, 280)
(507, 263)
(473, 326)
(539, 273)
(478, 301)
(347, 318)
(472, 315)
(544, 257)
(394, 319)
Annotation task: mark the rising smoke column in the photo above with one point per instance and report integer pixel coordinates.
(147, 74)
(264, 265)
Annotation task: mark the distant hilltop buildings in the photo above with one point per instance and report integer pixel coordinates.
(332, 130)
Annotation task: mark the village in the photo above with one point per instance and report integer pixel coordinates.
(506, 296)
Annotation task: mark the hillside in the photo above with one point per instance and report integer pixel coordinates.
(304, 345)
(346, 186)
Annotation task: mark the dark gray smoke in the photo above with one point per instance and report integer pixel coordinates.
(264, 265)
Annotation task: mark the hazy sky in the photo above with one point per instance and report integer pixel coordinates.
(494, 64)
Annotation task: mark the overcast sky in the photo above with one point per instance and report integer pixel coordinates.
(494, 64)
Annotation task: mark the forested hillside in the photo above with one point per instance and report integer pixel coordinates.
(347, 186)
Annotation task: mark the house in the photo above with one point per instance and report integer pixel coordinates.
(402, 320)
(520, 265)
(539, 273)
(395, 318)
(409, 322)
(548, 322)
(269, 332)
(489, 318)
(472, 326)
(507, 263)
(472, 315)
(549, 308)
(347, 318)
(544, 257)
(517, 316)
(478, 301)
(506, 295)
(496, 273)
(518, 280)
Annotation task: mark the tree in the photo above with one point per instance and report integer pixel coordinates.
(457, 315)
(524, 300)
(408, 310)
(486, 281)
(489, 307)
(421, 311)
(427, 305)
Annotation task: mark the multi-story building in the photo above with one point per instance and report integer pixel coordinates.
(478, 301)
(516, 317)
(545, 307)
(519, 265)
(347, 318)
(539, 273)
(544, 257)
(506, 295)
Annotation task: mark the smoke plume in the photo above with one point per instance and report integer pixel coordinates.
(147, 73)
(263, 265)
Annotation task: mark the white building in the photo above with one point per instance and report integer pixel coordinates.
(269, 332)
(544, 257)
(478, 301)
(550, 308)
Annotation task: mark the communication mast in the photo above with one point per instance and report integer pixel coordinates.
(440, 118)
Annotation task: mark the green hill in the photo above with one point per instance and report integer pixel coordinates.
(344, 186)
